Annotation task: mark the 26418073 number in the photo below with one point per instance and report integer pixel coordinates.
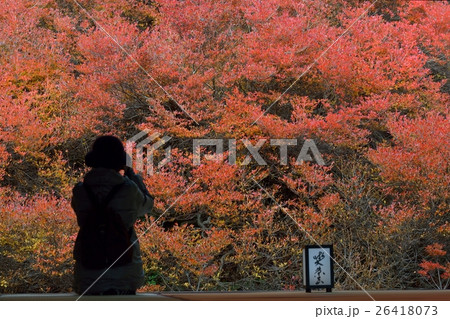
(407, 310)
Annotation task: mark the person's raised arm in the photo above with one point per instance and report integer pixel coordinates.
(147, 197)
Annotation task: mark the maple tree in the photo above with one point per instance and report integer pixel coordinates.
(366, 83)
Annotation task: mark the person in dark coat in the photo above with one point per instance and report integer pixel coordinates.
(132, 200)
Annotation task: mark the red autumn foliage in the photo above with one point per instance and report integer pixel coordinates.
(370, 89)
(435, 250)
(434, 272)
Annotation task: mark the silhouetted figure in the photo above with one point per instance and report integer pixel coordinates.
(107, 205)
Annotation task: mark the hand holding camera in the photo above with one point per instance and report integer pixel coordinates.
(129, 172)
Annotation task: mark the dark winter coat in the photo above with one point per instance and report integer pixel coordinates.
(130, 203)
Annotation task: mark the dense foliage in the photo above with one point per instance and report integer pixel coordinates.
(370, 88)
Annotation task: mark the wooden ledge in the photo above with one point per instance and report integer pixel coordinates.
(386, 295)
(380, 295)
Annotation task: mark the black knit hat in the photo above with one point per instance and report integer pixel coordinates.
(108, 152)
